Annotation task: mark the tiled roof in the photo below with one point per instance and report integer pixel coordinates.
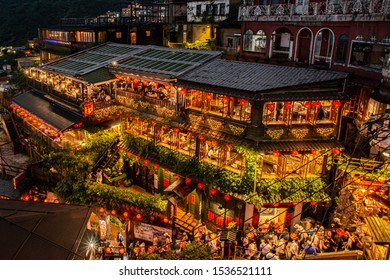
(302, 146)
(40, 107)
(254, 78)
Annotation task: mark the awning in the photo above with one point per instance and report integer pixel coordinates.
(59, 118)
(179, 189)
(99, 76)
(302, 146)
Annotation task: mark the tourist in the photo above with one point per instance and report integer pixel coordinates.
(309, 250)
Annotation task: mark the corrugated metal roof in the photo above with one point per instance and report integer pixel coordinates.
(380, 230)
(40, 107)
(254, 77)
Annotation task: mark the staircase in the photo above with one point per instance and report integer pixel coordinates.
(12, 133)
(185, 222)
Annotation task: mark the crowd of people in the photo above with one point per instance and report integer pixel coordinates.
(300, 241)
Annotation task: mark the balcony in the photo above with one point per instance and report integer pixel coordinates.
(342, 11)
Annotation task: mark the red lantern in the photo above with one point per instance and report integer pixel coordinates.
(313, 152)
(121, 251)
(336, 152)
(120, 150)
(155, 167)
(150, 249)
(226, 99)
(213, 191)
(337, 103)
(101, 210)
(176, 130)
(308, 104)
(295, 153)
(276, 204)
(166, 220)
(129, 154)
(226, 197)
(11, 106)
(175, 176)
(150, 173)
(136, 250)
(125, 214)
(317, 104)
(340, 232)
(35, 199)
(137, 158)
(209, 96)
(152, 218)
(188, 181)
(113, 212)
(271, 106)
(200, 186)
(146, 162)
(288, 105)
(313, 203)
(138, 216)
(189, 133)
(166, 171)
(108, 250)
(276, 153)
(242, 102)
(201, 138)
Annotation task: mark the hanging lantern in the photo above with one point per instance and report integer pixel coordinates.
(213, 191)
(146, 161)
(200, 186)
(317, 104)
(288, 105)
(189, 133)
(108, 250)
(125, 214)
(129, 154)
(209, 96)
(201, 138)
(138, 216)
(166, 171)
(313, 203)
(337, 103)
(182, 90)
(150, 249)
(137, 158)
(101, 210)
(308, 104)
(136, 250)
(113, 212)
(155, 167)
(166, 220)
(276, 204)
(152, 219)
(176, 130)
(276, 153)
(226, 197)
(121, 251)
(188, 181)
(150, 173)
(295, 153)
(271, 106)
(35, 199)
(242, 102)
(45, 200)
(336, 152)
(175, 176)
(313, 152)
(121, 150)
(226, 99)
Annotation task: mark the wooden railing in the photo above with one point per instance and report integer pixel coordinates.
(154, 101)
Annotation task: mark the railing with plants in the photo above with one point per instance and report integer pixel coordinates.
(229, 182)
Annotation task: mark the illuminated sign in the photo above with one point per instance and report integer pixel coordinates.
(88, 109)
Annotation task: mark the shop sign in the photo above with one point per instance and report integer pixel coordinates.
(18, 179)
(88, 109)
(146, 231)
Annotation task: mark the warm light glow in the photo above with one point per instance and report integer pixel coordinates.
(295, 153)
(213, 191)
(200, 186)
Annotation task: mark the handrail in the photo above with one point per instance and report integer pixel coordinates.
(184, 222)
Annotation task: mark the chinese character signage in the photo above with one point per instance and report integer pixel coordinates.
(88, 109)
